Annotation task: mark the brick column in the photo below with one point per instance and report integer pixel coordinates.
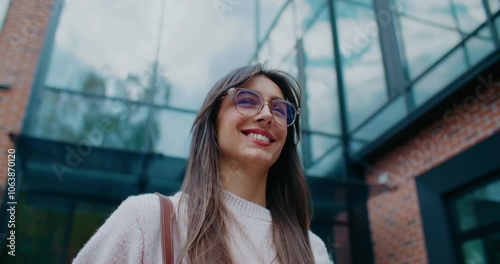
(21, 41)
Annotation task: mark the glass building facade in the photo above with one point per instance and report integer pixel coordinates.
(364, 67)
(120, 82)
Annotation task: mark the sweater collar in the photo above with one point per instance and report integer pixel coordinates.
(242, 206)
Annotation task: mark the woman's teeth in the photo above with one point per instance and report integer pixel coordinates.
(259, 137)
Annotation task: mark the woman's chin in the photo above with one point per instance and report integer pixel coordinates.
(262, 159)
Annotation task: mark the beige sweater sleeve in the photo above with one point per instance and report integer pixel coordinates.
(319, 249)
(118, 240)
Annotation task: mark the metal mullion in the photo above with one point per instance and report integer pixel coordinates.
(393, 72)
(260, 42)
(356, 3)
(257, 25)
(409, 99)
(306, 139)
(42, 66)
(319, 133)
(150, 115)
(483, 38)
(490, 22)
(125, 101)
(344, 123)
(480, 231)
(455, 18)
(364, 141)
(275, 21)
(430, 23)
(315, 16)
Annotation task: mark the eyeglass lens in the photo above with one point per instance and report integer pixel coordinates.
(249, 104)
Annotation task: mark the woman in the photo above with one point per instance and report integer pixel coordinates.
(244, 196)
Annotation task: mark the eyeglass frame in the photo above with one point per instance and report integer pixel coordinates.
(235, 90)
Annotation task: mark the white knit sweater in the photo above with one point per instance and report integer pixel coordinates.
(132, 234)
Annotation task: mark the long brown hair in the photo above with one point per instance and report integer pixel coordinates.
(287, 193)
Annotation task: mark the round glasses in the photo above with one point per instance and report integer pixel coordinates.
(250, 103)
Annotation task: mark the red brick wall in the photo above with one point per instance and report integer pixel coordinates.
(395, 222)
(21, 40)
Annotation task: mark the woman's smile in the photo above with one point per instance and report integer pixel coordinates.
(259, 136)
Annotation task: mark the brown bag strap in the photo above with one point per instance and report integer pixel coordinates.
(167, 214)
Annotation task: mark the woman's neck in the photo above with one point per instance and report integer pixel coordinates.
(244, 180)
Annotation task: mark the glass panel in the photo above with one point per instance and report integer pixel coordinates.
(357, 145)
(483, 250)
(420, 51)
(289, 64)
(306, 13)
(125, 61)
(102, 47)
(473, 252)
(299, 147)
(321, 83)
(494, 5)
(265, 52)
(282, 38)
(4, 5)
(329, 165)
(99, 122)
(200, 45)
(384, 120)
(479, 207)
(321, 145)
(364, 77)
(447, 71)
(430, 11)
(268, 10)
(470, 14)
(172, 140)
(479, 46)
(365, 2)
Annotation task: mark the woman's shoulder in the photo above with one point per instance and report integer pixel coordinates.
(318, 248)
(146, 210)
(148, 202)
(315, 238)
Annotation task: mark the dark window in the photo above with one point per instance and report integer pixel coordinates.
(475, 213)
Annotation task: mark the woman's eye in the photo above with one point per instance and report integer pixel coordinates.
(246, 101)
(279, 110)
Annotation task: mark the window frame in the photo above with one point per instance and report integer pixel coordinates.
(462, 171)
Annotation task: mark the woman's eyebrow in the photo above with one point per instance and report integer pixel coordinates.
(273, 97)
(277, 97)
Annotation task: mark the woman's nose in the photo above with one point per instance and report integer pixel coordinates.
(265, 114)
